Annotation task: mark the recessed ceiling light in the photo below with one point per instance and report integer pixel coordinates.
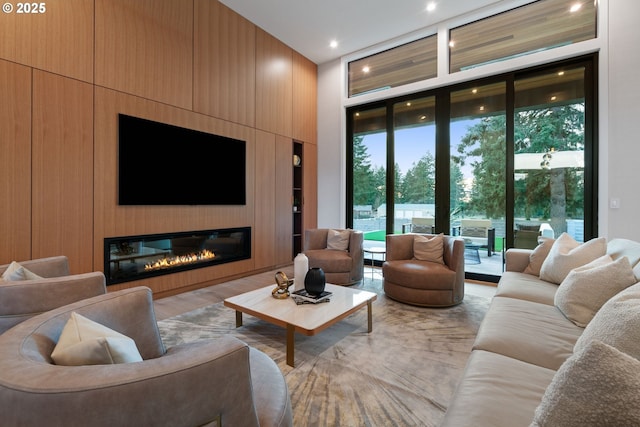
(431, 6)
(561, 73)
(474, 90)
(576, 7)
(452, 43)
(553, 98)
(365, 69)
(333, 44)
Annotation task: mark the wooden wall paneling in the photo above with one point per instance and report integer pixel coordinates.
(15, 162)
(112, 220)
(274, 88)
(58, 39)
(310, 190)
(264, 236)
(145, 48)
(305, 99)
(224, 63)
(284, 199)
(62, 199)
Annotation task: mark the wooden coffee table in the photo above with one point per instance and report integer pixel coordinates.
(307, 319)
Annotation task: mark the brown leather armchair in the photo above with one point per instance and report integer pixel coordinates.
(423, 283)
(200, 383)
(23, 299)
(341, 267)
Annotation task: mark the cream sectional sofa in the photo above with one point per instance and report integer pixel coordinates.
(525, 340)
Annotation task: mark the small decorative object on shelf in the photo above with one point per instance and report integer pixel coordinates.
(296, 160)
(314, 281)
(303, 297)
(281, 290)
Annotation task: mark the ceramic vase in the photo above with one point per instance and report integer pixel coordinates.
(314, 281)
(300, 268)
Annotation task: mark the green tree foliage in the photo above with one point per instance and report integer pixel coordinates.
(363, 177)
(419, 183)
(484, 144)
(558, 193)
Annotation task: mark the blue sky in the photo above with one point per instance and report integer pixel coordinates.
(411, 144)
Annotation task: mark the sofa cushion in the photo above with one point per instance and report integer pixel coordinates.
(330, 260)
(587, 288)
(427, 248)
(539, 254)
(338, 239)
(16, 272)
(597, 386)
(496, 391)
(85, 342)
(617, 248)
(526, 287)
(617, 323)
(567, 254)
(532, 332)
(419, 274)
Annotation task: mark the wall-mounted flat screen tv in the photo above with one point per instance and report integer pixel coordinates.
(162, 164)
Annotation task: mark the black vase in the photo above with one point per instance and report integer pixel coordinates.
(314, 281)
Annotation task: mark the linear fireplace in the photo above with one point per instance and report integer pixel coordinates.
(138, 257)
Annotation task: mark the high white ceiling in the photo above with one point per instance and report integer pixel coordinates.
(309, 26)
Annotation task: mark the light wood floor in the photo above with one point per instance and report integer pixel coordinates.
(182, 303)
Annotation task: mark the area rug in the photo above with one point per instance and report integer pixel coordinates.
(402, 373)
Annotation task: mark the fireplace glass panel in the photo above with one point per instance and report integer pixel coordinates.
(137, 257)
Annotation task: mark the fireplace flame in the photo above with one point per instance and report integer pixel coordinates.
(167, 262)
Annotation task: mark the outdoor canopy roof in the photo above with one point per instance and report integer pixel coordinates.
(559, 159)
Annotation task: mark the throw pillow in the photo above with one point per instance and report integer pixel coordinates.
(427, 248)
(16, 272)
(539, 254)
(596, 387)
(587, 288)
(567, 254)
(617, 323)
(338, 239)
(85, 342)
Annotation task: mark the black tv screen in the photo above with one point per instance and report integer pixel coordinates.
(162, 164)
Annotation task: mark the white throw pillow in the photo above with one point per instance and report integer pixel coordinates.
(16, 272)
(617, 323)
(85, 342)
(597, 386)
(587, 288)
(427, 248)
(567, 254)
(539, 254)
(338, 239)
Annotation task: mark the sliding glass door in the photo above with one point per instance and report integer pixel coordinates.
(500, 162)
(549, 160)
(368, 167)
(478, 130)
(414, 164)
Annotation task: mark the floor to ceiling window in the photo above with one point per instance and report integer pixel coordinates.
(549, 156)
(499, 162)
(478, 132)
(414, 162)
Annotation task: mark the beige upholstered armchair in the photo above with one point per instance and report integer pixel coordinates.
(420, 281)
(420, 225)
(342, 262)
(22, 299)
(202, 383)
(478, 232)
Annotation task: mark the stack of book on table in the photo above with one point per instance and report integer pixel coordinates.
(301, 296)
